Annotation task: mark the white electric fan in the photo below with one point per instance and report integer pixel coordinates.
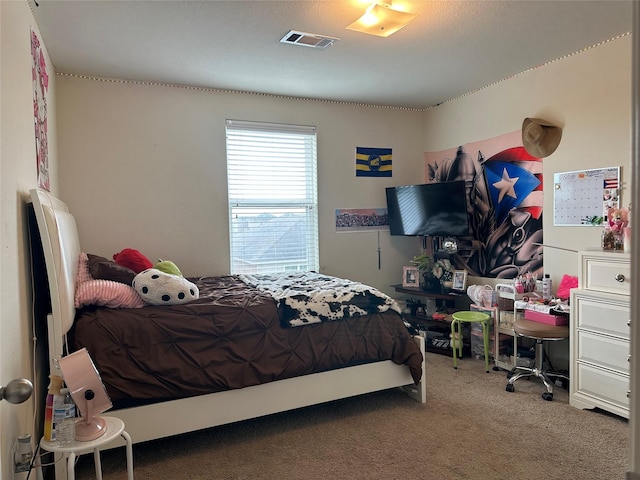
(85, 385)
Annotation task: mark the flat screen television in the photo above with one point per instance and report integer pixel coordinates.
(431, 209)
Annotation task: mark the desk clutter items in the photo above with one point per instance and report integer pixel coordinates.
(486, 296)
(528, 283)
(547, 287)
(482, 295)
(509, 304)
(530, 305)
(555, 312)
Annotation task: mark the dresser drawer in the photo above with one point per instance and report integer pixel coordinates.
(608, 314)
(605, 272)
(604, 351)
(603, 385)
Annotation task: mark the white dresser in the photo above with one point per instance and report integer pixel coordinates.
(599, 332)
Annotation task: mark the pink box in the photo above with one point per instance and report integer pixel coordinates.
(547, 318)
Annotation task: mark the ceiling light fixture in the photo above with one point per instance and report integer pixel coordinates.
(381, 20)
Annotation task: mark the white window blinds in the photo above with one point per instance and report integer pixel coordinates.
(273, 206)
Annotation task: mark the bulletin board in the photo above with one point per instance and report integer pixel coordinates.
(583, 197)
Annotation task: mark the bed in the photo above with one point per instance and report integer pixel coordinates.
(285, 366)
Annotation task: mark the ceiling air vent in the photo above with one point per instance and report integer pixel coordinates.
(308, 39)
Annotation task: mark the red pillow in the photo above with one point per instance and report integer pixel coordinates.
(132, 259)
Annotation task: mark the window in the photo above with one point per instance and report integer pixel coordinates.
(273, 201)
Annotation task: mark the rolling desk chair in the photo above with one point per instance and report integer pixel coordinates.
(540, 332)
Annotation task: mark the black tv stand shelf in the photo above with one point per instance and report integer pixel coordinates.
(438, 295)
(437, 331)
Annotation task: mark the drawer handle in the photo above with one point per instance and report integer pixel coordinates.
(629, 323)
(628, 358)
(628, 393)
(620, 278)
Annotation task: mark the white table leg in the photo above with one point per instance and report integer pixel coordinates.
(129, 449)
(60, 467)
(71, 466)
(98, 463)
(39, 475)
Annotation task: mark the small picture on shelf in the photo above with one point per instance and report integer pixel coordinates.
(410, 277)
(459, 280)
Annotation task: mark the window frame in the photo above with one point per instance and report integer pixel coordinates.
(287, 196)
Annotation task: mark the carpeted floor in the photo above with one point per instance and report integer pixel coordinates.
(470, 428)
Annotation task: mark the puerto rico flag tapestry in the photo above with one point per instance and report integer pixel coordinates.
(504, 187)
(373, 162)
(514, 180)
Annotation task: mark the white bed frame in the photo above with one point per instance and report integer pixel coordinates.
(61, 248)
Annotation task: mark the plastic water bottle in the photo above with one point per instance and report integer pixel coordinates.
(66, 425)
(546, 287)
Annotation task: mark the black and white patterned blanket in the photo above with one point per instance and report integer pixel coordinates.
(304, 298)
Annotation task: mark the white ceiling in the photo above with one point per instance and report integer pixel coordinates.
(451, 48)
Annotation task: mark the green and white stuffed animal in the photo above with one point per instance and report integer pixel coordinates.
(164, 285)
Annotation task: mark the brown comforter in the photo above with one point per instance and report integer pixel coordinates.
(231, 337)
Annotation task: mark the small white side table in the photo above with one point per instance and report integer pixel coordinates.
(114, 429)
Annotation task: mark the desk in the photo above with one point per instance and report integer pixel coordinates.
(114, 429)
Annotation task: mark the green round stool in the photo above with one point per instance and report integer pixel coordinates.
(456, 333)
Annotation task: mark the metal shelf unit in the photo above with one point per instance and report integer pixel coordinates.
(508, 309)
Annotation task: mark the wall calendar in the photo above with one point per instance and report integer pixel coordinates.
(584, 196)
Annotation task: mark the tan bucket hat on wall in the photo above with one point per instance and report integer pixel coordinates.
(539, 137)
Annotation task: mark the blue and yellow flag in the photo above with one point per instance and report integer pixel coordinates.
(373, 162)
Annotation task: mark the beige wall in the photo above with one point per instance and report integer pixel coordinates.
(145, 167)
(588, 94)
(17, 176)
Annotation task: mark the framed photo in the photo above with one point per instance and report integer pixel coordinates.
(459, 280)
(410, 277)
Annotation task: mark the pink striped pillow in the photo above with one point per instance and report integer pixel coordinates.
(107, 293)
